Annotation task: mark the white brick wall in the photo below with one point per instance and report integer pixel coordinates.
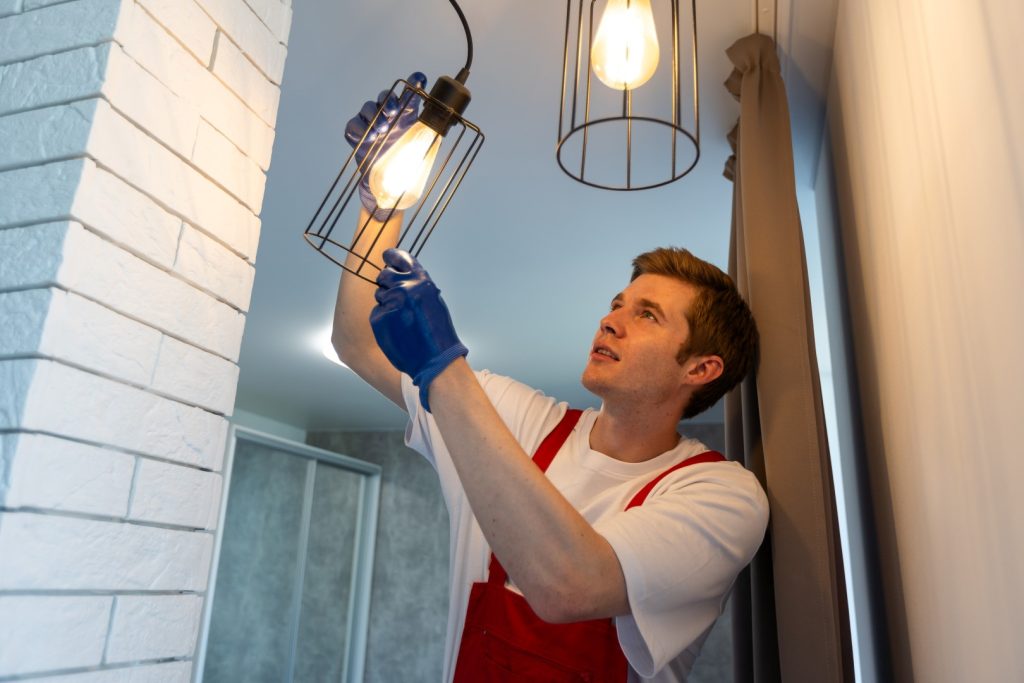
(210, 266)
(99, 270)
(276, 15)
(228, 166)
(58, 324)
(57, 28)
(172, 494)
(254, 37)
(58, 399)
(171, 672)
(8, 7)
(245, 80)
(76, 626)
(134, 140)
(50, 79)
(149, 44)
(188, 24)
(54, 552)
(58, 474)
(154, 627)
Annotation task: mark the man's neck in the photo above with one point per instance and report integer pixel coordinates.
(632, 435)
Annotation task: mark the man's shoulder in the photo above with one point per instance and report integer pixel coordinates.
(720, 477)
(488, 377)
(504, 389)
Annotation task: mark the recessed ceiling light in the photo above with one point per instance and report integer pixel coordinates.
(326, 348)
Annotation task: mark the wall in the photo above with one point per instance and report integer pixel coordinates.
(927, 122)
(134, 139)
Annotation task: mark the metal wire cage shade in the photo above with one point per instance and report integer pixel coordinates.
(629, 138)
(330, 231)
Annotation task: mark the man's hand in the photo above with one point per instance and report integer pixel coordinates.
(361, 136)
(411, 322)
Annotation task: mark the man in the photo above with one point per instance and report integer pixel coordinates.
(614, 563)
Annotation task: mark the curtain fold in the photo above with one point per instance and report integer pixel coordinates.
(790, 616)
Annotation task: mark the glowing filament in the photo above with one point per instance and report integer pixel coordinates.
(625, 50)
(397, 179)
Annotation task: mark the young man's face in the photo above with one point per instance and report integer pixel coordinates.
(633, 356)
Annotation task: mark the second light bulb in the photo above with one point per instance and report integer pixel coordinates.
(625, 49)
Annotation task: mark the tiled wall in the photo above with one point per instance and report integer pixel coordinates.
(134, 137)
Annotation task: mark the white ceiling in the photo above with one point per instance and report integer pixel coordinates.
(528, 259)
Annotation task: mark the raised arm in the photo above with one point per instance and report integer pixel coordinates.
(352, 336)
(565, 569)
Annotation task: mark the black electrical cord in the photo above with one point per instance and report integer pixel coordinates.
(449, 97)
(464, 73)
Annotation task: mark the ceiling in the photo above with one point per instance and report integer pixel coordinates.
(528, 259)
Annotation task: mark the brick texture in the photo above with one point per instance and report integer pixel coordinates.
(104, 411)
(57, 474)
(50, 632)
(157, 51)
(51, 552)
(134, 140)
(9, 7)
(60, 27)
(245, 80)
(96, 269)
(154, 627)
(171, 672)
(172, 494)
(253, 36)
(189, 25)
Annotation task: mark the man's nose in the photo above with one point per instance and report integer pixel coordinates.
(611, 324)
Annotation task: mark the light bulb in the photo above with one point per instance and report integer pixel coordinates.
(398, 177)
(625, 50)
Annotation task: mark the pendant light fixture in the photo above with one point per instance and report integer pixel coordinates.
(621, 122)
(416, 175)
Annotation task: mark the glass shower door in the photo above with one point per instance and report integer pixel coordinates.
(290, 589)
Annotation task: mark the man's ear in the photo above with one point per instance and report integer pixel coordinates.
(703, 370)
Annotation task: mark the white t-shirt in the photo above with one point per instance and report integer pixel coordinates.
(680, 551)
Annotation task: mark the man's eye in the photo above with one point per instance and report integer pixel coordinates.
(648, 314)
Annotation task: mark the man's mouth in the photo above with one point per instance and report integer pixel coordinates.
(606, 352)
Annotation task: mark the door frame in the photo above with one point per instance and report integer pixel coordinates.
(354, 658)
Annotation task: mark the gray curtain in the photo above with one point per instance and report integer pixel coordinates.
(790, 617)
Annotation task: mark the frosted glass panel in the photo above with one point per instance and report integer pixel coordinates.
(325, 595)
(280, 608)
(256, 578)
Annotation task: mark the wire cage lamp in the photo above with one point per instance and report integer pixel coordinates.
(448, 145)
(622, 97)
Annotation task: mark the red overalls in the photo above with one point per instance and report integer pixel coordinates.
(504, 641)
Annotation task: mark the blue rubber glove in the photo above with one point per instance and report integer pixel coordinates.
(407, 111)
(411, 322)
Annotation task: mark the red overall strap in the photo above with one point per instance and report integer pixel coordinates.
(707, 456)
(503, 639)
(546, 452)
(548, 448)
